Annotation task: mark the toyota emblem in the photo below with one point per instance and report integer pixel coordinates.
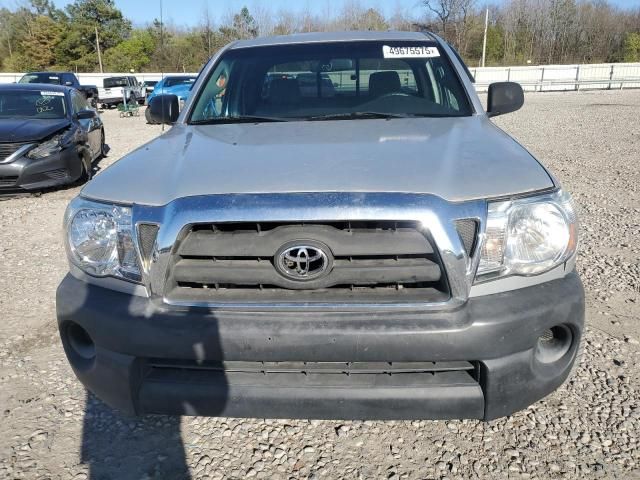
(303, 261)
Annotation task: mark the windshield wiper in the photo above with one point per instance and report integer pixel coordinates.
(358, 115)
(240, 119)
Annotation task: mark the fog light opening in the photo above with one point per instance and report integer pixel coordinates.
(554, 343)
(80, 342)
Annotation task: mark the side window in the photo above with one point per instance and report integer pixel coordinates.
(446, 88)
(78, 103)
(214, 94)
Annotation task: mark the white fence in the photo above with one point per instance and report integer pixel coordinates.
(562, 77)
(532, 78)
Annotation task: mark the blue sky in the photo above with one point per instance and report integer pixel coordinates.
(189, 12)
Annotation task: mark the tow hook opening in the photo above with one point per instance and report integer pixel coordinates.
(554, 343)
(80, 345)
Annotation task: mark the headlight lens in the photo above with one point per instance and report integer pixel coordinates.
(528, 236)
(100, 239)
(45, 149)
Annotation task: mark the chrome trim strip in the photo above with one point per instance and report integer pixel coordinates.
(436, 215)
(18, 153)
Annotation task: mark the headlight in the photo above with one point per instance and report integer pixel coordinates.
(45, 149)
(99, 239)
(528, 236)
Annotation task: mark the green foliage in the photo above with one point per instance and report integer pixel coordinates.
(373, 20)
(133, 53)
(631, 47)
(38, 47)
(495, 45)
(77, 48)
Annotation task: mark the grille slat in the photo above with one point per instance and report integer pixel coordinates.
(356, 272)
(343, 242)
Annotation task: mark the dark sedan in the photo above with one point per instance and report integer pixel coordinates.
(49, 136)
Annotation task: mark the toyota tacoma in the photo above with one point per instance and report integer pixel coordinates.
(368, 245)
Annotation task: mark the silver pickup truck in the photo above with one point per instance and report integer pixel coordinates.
(365, 245)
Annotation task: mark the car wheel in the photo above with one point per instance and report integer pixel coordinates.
(86, 174)
(103, 146)
(147, 115)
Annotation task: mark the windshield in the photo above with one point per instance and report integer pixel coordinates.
(41, 78)
(115, 82)
(173, 81)
(331, 81)
(32, 104)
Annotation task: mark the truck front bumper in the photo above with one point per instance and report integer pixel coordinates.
(482, 361)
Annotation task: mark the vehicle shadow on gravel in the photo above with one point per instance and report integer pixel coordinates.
(115, 446)
(120, 446)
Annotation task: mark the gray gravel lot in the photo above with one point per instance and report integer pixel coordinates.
(589, 428)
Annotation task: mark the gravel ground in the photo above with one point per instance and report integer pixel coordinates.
(589, 428)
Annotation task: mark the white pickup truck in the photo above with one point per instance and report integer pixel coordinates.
(115, 89)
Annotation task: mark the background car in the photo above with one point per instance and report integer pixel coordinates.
(67, 79)
(173, 85)
(49, 136)
(115, 89)
(149, 85)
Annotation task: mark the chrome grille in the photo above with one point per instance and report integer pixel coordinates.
(383, 261)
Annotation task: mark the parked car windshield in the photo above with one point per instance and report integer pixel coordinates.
(115, 82)
(32, 104)
(173, 81)
(331, 81)
(41, 78)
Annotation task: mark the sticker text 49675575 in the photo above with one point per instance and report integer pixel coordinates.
(416, 51)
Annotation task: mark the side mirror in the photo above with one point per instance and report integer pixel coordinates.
(504, 97)
(164, 109)
(85, 114)
(68, 84)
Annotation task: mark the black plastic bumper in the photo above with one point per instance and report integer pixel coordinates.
(27, 174)
(151, 358)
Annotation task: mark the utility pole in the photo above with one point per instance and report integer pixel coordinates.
(98, 48)
(484, 40)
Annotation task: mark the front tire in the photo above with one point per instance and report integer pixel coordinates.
(147, 116)
(103, 146)
(86, 172)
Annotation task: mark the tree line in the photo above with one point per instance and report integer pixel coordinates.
(39, 36)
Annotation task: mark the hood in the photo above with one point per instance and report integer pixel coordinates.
(456, 159)
(29, 129)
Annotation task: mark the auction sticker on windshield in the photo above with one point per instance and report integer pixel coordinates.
(418, 51)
